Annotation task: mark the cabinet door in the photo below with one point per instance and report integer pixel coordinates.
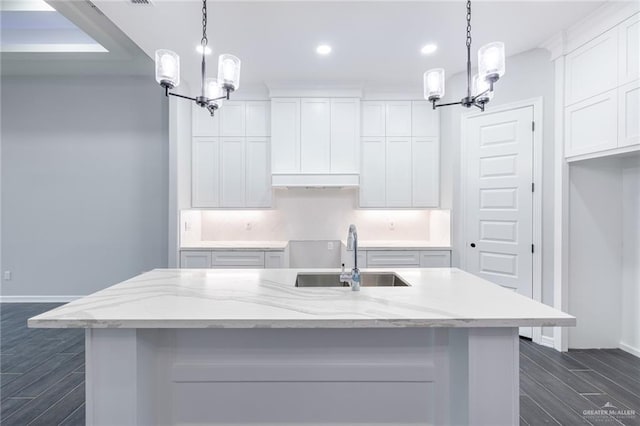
(373, 118)
(274, 259)
(372, 173)
(315, 135)
(195, 259)
(257, 118)
(425, 172)
(435, 259)
(592, 68)
(592, 125)
(398, 118)
(425, 121)
(232, 116)
(393, 259)
(205, 177)
(203, 124)
(398, 179)
(629, 55)
(232, 173)
(285, 135)
(345, 135)
(629, 114)
(258, 176)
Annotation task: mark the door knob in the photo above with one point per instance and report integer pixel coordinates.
(473, 245)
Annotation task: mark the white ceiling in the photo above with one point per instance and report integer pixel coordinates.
(375, 44)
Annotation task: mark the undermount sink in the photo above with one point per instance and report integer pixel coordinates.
(367, 279)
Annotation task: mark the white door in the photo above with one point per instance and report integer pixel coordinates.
(232, 173)
(258, 176)
(373, 173)
(285, 135)
(398, 178)
(205, 175)
(425, 172)
(232, 118)
(499, 198)
(345, 135)
(398, 118)
(315, 135)
(257, 119)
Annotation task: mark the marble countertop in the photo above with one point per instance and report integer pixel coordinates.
(400, 245)
(236, 245)
(268, 298)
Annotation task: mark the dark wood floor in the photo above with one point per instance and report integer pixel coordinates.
(42, 378)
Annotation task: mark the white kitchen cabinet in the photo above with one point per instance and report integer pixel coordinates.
(232, 118)
(345, 135)
(205, 176)
(232, 172)
(592, 125)
(258, 119)
(195, 259)
(373, 118)
(435, 259)
(202, 124)
(274, 259)
(592, 69)
(393, 258)
(398, 172)
(373, 172)
(315, 135)
(425, 121)
(398, 118)
(285, 135)
(237, 259)
(629, 54)
(629, 114)
(425, 172)
(257, 173)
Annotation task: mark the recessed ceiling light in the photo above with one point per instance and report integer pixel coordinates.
(428, 49)
(207, 50)
(323, 49)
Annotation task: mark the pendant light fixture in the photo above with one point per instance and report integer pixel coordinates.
(212, 91)
(491, 67)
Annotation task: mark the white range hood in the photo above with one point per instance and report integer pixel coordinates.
(307, 180)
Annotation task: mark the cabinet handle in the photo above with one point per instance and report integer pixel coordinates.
(473, 245)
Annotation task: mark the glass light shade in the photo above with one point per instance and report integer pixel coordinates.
(167, 68)
(229, 72)
(212, 90)
(480, 85)
(491, 64)
(434, 84)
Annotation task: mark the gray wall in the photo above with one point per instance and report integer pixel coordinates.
(84, 182)
(528, 75)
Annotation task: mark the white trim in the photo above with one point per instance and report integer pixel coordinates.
(547, 341)
(38, 299)
(606, 153)
(537, 105)
(630, 349)
(314, 92)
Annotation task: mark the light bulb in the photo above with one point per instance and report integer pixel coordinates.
(481, 89)
(491, 64)
(434, 84)
(229, 72)
(167, 68)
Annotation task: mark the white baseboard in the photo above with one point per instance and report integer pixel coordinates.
(630, 349)
(547, 341)
(38, 299)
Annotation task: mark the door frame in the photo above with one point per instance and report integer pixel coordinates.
(537, 104)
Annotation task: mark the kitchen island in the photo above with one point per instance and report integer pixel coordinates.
(195, 347)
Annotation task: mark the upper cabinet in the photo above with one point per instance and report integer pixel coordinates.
(230, 165)
(602, 93)
(400, 155)
(315, 141)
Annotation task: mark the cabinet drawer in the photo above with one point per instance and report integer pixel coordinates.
(195, 259)
(388, 259)
(435, 259)
(592, 125)
(274, 259)
(238, 259)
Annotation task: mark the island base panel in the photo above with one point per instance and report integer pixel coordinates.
(302, 376)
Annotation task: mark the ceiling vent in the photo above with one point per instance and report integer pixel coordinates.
(141, 2)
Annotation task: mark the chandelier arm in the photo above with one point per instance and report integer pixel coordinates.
(179, 96)
(435, 105)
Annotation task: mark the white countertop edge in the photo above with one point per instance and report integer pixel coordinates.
(296, 323)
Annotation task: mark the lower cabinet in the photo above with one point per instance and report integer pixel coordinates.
(398, 258)
(238, 259)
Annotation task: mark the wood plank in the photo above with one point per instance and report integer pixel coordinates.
(77, 418)
(611, 388)
(626, 381)
(11, 405)
(61, 409)
(12, 388)
(52, 377)
(533, 414)
(558, 357)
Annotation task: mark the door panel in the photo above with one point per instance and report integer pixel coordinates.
(285, 135)
(372, 174)
(499, 201)
(232, 174)
(398, 179)
(315, 135)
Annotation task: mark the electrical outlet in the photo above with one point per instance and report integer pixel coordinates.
(7, 275)
(392, 225)
(330, 245)
(248, 226)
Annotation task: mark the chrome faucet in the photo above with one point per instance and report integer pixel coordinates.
(353, 277)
